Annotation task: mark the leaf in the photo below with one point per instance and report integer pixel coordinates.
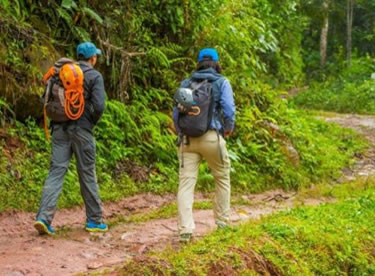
(65, 15)
(81, 33)
(158, 57)
(68, 4)
(91, 13)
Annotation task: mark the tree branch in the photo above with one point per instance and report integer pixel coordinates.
(121, 50)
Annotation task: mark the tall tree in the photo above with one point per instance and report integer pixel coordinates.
(349, 22)
(324, 34)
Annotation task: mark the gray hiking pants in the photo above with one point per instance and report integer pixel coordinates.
(65, 142)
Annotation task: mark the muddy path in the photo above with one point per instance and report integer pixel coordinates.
(23, 252)
(364, 125)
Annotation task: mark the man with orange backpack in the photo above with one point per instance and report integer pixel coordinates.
(74, 101)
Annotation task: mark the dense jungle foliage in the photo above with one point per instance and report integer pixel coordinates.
(345, 82)
(149, 46)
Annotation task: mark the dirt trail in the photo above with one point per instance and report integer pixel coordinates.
(23, 252)
(365, 125)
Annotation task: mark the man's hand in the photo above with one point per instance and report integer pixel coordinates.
(228, 133)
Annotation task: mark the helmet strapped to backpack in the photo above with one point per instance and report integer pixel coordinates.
(71, 76)
(184, 99)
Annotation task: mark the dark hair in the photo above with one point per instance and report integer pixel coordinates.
(82, 58)
(209, 63)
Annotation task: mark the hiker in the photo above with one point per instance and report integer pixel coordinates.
(76, 137)
(202, 122)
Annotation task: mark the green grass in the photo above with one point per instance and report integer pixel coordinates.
(338, 191)
(330, 239)
(344, 98)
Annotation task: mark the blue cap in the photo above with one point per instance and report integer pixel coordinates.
(87, 49)
(208, 52)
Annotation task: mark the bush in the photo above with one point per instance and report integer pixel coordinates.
(350, 90)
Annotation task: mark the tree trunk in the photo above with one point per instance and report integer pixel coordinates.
(349, 18)
(324, 35)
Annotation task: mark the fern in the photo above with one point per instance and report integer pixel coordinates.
(65, 15)
(5, 112)
(81, 33)
(69, 4)
(91, 13)
(158, 57)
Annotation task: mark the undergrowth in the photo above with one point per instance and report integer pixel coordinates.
(347, 90)
(329, 239)
(299, 151)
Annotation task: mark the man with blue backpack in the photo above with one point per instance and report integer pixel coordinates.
(204, 115)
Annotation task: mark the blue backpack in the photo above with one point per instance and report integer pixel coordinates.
(195, 104)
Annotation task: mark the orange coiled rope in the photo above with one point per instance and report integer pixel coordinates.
(74, 104)
(71, 76)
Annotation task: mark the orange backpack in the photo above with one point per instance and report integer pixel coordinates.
(64, 95)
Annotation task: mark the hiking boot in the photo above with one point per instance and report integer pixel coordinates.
(222, 225)
(43, 227)
(185, 237)
(96, 227)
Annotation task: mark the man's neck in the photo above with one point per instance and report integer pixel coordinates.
(87, 63)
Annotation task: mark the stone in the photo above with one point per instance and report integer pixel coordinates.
(88, 255)
(125, 235)
(94, 265)
(15, 273)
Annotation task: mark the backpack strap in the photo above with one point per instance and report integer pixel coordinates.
(84, 83)
(87, 70)
(199, 84)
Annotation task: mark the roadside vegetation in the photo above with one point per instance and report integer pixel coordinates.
(342, 89)
(135, 158)
(329, 239)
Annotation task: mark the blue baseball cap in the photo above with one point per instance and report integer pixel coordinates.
(208, 52)
(88, 49)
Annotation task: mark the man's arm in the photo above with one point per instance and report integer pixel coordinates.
(228, 107)
(175, 120)
(97, 98)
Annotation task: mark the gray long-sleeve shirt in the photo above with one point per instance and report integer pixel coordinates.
(94, 96)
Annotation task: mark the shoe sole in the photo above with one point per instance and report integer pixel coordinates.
(96, 229)
(42, 228)
(185, 240)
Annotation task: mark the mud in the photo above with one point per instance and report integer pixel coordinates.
(23, 252)
(16, 222)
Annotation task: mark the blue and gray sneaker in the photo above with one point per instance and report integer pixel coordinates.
(43, 227)
(96, 227)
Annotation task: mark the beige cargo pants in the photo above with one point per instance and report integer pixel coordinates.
(204, 147)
